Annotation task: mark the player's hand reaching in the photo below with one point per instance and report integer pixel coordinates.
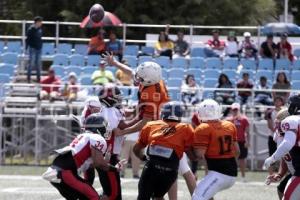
(109, 58)
(268, 162)
(121, 164)
(273, 178)
(117, 132)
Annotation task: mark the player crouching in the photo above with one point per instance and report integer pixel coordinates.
(166, 139)
(216, 141)
(86, 150)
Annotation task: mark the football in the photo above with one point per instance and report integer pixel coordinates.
(96, 13)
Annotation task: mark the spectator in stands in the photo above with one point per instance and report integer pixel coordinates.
(215, 47)
(164, 46)
(70, 90)
(285, 48)
(270, 116)
(182, 48)
(127, 152)
(34, 44)
(50, 92)
(224, 97)
(263, 97)
(123, 78)
(232, 45)
(247, 47)
(190, 91)
(97, 44)
(241, 123)
(245, 83)
(268, 48)
(114, 45)
(282, 83)
(102, 76)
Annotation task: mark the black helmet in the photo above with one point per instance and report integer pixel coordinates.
(172, 111)
(294, 104)
(96, 124)
(110, 95)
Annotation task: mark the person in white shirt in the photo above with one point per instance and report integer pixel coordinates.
(231, 45)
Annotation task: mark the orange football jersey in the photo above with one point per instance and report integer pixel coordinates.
(177, 136)
(151, 98)
(217, 138)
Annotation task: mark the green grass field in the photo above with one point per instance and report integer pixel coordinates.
(25, 183)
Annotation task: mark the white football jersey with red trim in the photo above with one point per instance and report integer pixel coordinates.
(292, 123)
(81, 149)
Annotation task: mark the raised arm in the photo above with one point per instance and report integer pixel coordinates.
(109, 58)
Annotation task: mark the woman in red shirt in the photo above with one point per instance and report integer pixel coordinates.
(285, 48)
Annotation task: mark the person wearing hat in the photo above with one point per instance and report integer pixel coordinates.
(214, 47)
(231, 47)
(71, 88)
(34, 45)
(241, 123)
(247, 48)
(102, 76)
(268, 48)
(285, 48)
(50, 86)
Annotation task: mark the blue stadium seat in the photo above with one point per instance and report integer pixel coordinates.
(112, 69)
(194, 71)
(1, 46)
(60, 59)
(7, 69)
(250, 72)
(287, 73)
(297, 53)
(48, 49)
(81, 49)
(131, 60)
(86, 80)
(176, 73)
(9, 58)
(211, 74)
(230, 73)
(4, 78)
(267, 73)
(148, 50)
(197, 63)
(93, 60)
(64, 48)
(295, 75)
(134, 94)
(59, 70)
(174, 94)
(163, 61)
(179, 63)
(77, 60)
(14, 46)
(248, 64)
(266, 64)
(144, 59)
(88, 70)
(296, 65)
(75, 69)
(209, 83)
(282, 64)
(131, 50)
(198, 52)
(174, 82)
(230, 63)
(213, 63)
(296, 85)
(126, 92)
(165, 74)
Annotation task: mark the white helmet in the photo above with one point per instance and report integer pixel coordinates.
(93, 101)
(209, 109)
(148, 73)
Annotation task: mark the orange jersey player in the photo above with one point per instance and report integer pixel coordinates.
(167, 140)
(216, 141)
(152, 94)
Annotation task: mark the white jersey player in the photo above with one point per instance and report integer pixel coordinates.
(86, 150)
(290, 144)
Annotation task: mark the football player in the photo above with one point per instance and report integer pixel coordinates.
(216, 141)
(286, 168)
(166, 139)
(290, 144)
(91, 105)
(86, 150)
